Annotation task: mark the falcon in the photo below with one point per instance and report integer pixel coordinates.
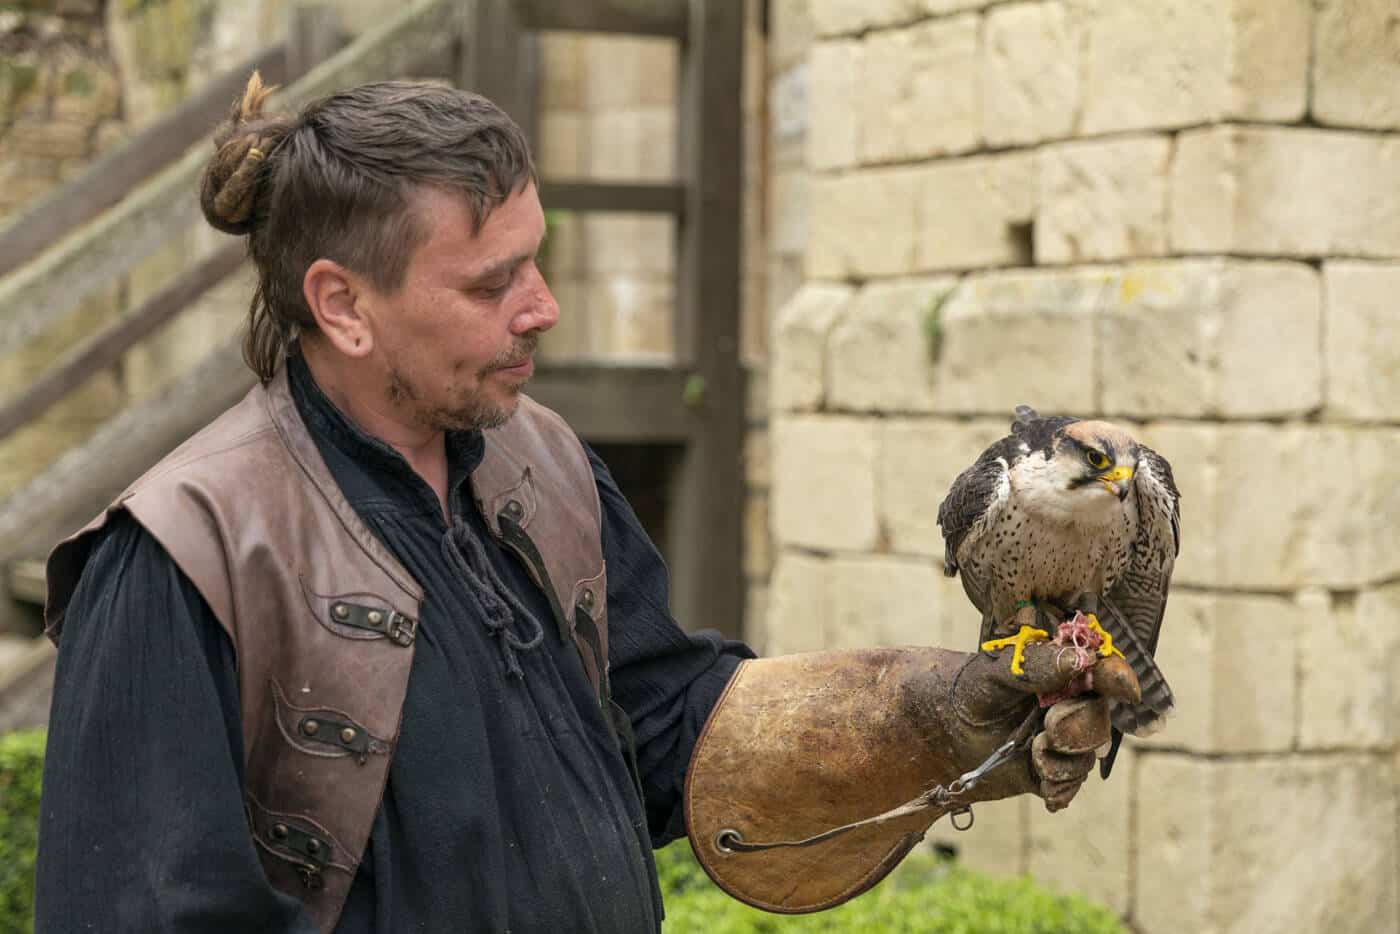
(1066, 516)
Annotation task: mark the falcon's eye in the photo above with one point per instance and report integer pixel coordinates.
(1095, 459)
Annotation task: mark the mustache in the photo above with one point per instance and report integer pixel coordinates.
(516, 354)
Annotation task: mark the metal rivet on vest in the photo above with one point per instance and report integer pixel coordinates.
(279, 831)
(340, 611)
(514, 509)
(348, 735)
(313, 846)
(586, 598)
(309, 727)
(375, 617)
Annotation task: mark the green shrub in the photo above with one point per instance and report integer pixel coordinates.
(21, 767)
(926, 895)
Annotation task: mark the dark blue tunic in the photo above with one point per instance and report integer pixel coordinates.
(508, 806)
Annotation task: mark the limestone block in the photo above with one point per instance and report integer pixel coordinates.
(755, 631)
(1230, 661)
(562, 72)
(636, 244)
(976, 212)
(1021, 337)
(1212, 338)
(632, 314)
(788, 116)
(791, 32)
(997, 843)
(944, 7)
(188, 339)
(783, 277)
(1286, 845)
(632, 145)
(919, 460)
(797, 605)
(1269, 507)
(572, 335)
(789, 212)
(1356, 68)
(799, 371)
(1100, 200)
(1347, 699)
(920, 89)
(864, 224)
(758, 553)
(757, 460)
(563, 150)
(630, 71)
(1084, 849)
(835, 17)
(1030, 74)
(565, 251)
(835, 97)
(1182, 62)
(1363, 357)
(824, 483)
(1225, 185)
(880, 600)
(881, 352)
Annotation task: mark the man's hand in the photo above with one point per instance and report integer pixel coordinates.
(990, 704)
(801, 744)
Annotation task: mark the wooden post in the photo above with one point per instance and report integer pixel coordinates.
(500, 60)
(313, 35)
(706, 528)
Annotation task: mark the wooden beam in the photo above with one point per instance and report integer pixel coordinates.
(38, 294)
(706, 525)
(107, 346)
(107, 180)
(82, 482)
(610, 402)
(27, 580)
(571, 195)
(668, 18)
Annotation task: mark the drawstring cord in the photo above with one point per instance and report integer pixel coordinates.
(494, 600)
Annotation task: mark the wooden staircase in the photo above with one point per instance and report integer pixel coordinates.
(689, 410)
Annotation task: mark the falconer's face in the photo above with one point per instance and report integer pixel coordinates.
(456, 340)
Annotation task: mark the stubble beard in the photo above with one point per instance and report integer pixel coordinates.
(474, 412)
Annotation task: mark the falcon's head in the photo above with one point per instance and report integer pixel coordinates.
(1094, 458)
(1072, 470)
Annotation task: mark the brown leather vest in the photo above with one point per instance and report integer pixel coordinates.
(323, 618)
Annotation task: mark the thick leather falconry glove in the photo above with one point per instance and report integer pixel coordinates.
(801, 744)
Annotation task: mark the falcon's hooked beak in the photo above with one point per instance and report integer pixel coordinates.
(1116, 480)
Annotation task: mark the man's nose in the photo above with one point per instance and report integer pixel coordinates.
(541, 311)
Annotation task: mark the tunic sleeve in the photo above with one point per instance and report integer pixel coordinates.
(141, 822)
(667, 680)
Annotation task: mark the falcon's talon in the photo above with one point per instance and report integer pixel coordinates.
(1107, 647)
(1026, 635)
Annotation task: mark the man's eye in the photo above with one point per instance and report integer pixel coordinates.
(494, 290)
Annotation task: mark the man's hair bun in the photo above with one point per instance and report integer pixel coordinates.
(228, 191)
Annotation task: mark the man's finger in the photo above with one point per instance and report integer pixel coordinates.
(1058, 795)
(1058, 767)
(1078, 725)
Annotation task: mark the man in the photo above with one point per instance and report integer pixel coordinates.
(384, 648)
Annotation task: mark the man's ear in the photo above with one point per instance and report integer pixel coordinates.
(334, 295)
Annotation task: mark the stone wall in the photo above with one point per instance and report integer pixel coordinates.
(1180, 214)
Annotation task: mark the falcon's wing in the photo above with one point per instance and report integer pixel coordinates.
(1138, 598)
(973, 496)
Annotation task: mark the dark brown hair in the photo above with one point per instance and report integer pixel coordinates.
(336, 181)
